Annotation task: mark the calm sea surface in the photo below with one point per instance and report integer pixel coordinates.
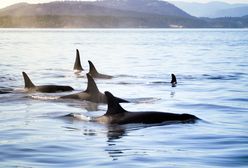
(212, 71)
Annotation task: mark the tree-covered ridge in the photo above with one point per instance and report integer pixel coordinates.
(106, 14)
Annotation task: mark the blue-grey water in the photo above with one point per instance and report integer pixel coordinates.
(211, 66)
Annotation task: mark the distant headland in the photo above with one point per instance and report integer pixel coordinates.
(109, 14)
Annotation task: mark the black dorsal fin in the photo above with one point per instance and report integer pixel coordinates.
(92, 70)
(173, 79)
(27, 81)
(91, 87)
(113, 105)
(77, 64)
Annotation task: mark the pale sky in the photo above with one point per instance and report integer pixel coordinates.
(4, 3)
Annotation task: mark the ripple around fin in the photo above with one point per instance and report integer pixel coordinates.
(239, 99)
(78, 116)
(128, 83)
(126, 76)
(45, 97)
(159, 82)
(144, 100)
(222, 77)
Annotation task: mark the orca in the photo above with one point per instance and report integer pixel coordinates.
(94, 73)
(91, 94)
(4, 92)
(77, 65)
(173, 80)
(117, 115)
(29, 86)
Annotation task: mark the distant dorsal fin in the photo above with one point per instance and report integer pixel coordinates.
(91, 87)
(27, 81)
(77, 64)
(113, 105)
(173, 79)
(92, 70)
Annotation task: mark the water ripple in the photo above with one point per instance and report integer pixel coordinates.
(212, 84)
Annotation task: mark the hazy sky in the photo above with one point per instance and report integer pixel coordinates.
(4, 3)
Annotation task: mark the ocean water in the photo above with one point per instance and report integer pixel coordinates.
(211, 66)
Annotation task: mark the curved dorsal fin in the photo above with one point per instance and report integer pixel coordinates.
(77, 64)
(173, 79)
(27, 81)
(113, 105)
(91, 87)
(92, 70)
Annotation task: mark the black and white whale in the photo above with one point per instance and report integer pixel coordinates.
(95, 74)
(5, 92)
(91, 94)
(117, 115)
(30, 87)
(173, 80)
(77, 65)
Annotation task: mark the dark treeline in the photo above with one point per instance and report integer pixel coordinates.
(48, 21)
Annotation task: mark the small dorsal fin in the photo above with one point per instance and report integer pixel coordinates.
(113, 105)
(173, 79)
(91, 87)
(27, 81)
(92, 70)
(77, 64)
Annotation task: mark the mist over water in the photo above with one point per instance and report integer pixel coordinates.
(211, 66)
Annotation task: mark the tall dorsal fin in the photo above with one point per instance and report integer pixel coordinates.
(113, 105)
(173, 79)
(77, 64)
(91, 87)
(27, 81)
(92, 70)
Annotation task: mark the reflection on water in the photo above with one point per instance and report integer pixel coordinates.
(212, 77)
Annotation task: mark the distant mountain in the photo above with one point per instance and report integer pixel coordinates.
(212, 9)
(108, 14)
(233, 12)
(227, 22)
(105, 13)
(145, 6)
(72, 8)
(104, 7)
(246, 16)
